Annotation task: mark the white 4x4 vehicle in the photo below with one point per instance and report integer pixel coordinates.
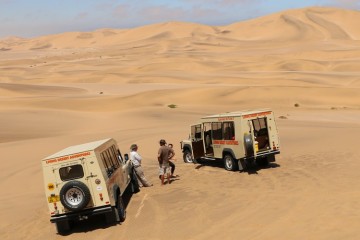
(239, 139)
(85, 180)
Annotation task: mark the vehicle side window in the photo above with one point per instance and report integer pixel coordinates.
(110, 160)
(119, 155)
(207, 135)
(196, 132)
(105, 162)
(71, 172)
(116, 156)
(216, 130)
(229, 131)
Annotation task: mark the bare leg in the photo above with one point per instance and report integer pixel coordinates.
(162, 179)
(169, 178)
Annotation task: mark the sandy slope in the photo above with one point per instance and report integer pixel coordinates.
(72, 88)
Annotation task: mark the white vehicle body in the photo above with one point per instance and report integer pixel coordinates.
(85, 180)
(237, 138)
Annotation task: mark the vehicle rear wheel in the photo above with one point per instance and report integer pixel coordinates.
(110, 217)
(62, 227)
(120, 209)
(74, 195)
(229, 163)
(188, 156)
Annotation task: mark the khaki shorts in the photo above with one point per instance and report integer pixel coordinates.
(164, 168)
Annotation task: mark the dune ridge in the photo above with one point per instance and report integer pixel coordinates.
(314, 23)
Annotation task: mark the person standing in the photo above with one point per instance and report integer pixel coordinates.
(172, 165)
(164, 154)
(136, 159)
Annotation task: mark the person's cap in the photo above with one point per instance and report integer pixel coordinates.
(162, 141)
(133, 146)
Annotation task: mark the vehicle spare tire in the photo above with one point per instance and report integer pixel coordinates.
(75, 195)
(249, 145)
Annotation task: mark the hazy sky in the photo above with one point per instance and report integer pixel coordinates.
(30, 18)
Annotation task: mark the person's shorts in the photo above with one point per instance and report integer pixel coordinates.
(164, 168)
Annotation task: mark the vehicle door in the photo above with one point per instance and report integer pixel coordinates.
(197, 141)
(208, 139)
(249, 140)
(75, 170)
(261, 133)
(217, 139)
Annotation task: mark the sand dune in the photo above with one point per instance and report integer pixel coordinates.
(309, 24)
(77, 87)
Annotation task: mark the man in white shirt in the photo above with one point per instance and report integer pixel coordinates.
(135, 158)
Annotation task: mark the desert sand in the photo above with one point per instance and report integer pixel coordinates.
(72, 88)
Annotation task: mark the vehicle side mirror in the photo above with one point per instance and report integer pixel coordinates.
(126, 156)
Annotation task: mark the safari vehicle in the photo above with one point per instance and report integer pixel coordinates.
(239, 139)
(86, 180)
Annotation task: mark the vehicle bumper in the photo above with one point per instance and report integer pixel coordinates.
(80, 214)
(262, 154)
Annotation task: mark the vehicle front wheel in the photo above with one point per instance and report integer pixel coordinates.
(188, 156)
(230, 163)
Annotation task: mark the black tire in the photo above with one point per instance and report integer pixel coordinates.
(120, 209)
(75, 195)
(229, 163)
(62, 227)
(249, 145)
(110, 217)
(187, 156)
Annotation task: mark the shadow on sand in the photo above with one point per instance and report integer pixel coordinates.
(250, 170)
(97, 221)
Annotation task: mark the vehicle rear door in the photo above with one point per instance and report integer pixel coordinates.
(261, 133)
(250, 145)
(197, 141)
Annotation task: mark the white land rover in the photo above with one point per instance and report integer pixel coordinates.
(239, 139)
(85, 180)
